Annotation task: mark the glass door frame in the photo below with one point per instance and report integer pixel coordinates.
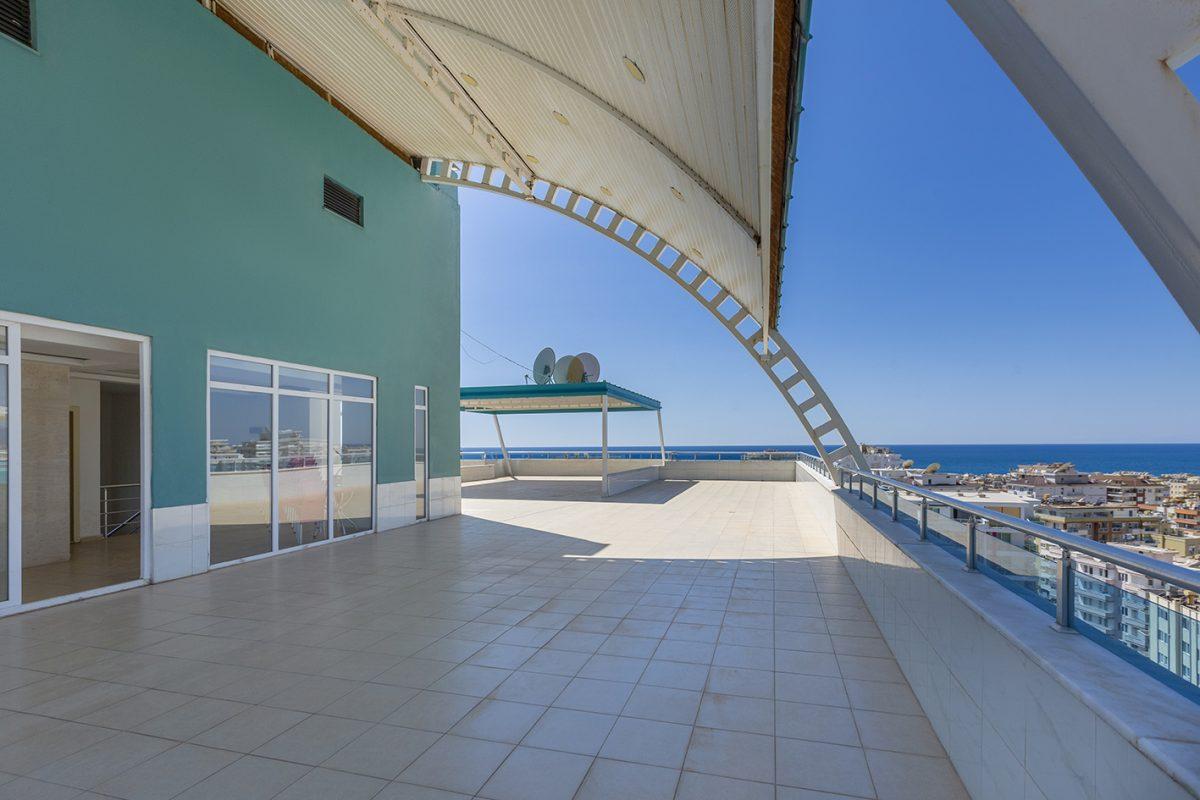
(275, 392)
(13, 321)
(11, 358)
(421, 408)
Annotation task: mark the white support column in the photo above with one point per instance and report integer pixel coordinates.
(604, 446)
(503, 450)
(662, 442)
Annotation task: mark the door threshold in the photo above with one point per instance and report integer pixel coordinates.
(71, 598)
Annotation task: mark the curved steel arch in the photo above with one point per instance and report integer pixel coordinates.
(778, 360)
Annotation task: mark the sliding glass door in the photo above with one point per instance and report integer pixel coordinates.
(302, 467)
(239, 484)
(9, 508)
(353, 432)
(291, 456)
(421, 449)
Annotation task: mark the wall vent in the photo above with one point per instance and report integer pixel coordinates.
(339, 199)
(16, 20)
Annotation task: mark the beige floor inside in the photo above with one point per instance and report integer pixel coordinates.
(94, 563)
(685, 640)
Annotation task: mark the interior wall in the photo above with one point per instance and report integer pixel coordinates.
(120, 437)
(45, 463)
(85, 396)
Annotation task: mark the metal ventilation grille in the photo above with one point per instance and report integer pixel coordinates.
(16, 20)
(338, 198)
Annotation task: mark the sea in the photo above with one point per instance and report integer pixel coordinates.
(975, 458)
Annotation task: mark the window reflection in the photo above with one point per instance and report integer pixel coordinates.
(303, 470)
(239, 463)
(234, 370)
(304, 380)
(352, 387)
(353, 453)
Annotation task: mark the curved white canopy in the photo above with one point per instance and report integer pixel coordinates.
(673, 112)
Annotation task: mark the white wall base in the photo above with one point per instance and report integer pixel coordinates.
(180, 545)
(180, 542)
(396, 504)
(445, 497)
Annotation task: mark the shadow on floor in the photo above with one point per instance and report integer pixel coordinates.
(576, 490)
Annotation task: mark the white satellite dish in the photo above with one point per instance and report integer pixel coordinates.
(566, 368)
(543, 366)
(591, 367)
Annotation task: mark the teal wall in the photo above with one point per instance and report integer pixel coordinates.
(163, 176)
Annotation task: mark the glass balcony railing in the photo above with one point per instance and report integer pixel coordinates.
(1142, 609)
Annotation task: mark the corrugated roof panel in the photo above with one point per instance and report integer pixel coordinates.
(596, 151)
(328, 40)
(697, 105)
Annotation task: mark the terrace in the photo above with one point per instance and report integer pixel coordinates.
(688, 639)
(778, 629)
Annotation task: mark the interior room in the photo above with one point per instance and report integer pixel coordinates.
(80, 462)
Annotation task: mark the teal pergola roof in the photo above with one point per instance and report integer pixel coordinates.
(553, 398)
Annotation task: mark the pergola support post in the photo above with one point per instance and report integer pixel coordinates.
(662, 442)
(604, 446)
(503, 450)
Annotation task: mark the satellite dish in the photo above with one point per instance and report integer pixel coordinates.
(543, 366)
(560, 369)
(591, 367)
(575, 371)
(568, 369)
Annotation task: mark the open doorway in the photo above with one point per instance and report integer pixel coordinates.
(80, 461)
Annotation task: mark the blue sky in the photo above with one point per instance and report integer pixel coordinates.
(950, 276)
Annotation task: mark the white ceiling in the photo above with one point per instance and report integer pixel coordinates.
(691, 125)
(87, 354)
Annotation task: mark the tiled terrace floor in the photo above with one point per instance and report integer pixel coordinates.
(686, 640)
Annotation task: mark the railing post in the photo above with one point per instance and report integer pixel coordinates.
(1065, 610)
(971, 525)
(874, 493)
(860, 487)
(923, 527)
(895, 504)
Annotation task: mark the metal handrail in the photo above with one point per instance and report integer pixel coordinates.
(815, 463)
(1167, 572)
(672, 455)
(120, 511)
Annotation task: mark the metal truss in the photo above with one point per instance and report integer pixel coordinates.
(799, 387)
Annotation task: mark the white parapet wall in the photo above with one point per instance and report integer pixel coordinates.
(672, 470)
(730, 470)
(569, 467)
(480, 470)
(1023, 709)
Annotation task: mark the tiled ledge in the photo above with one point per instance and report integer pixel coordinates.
(1024, 710)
